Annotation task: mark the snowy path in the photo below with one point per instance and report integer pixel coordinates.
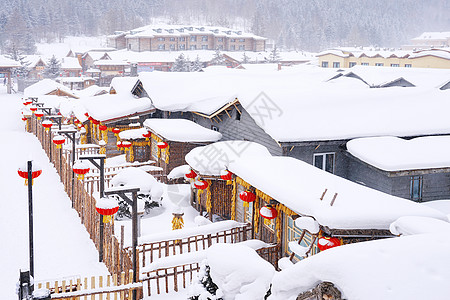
(62, 245)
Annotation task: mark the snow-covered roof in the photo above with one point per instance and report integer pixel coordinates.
(108, 107)
(395, 154)
(34, 59)
(334, 52)
(70, 63)
(433, 36)
(110, 62)
(132, 134)
(411, 267)
(138, 177)
(299, 186)
(445, 54)
(93, 90)
(216, 157)
(123, 85)
(8, 63)
(74, 79)
(409, 225)
(44, 87)
(181, 130)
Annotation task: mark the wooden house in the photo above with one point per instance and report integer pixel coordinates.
(70, 67)
(76, 83)
(88, 59)
(109, 69)
(48, 87)
(308, 203)
(36, 66)
(210, 163)
(416, 169)
(171, 139)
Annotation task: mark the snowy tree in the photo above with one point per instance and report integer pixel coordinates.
(53, 68)
(218, 58)
(274, 55)
(245, 59)
(15, 54)
(197, 65)
(181, 64)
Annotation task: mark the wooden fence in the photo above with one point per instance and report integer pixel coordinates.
(94, 287)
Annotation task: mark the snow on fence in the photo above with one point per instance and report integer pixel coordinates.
(91, 288)
(115, 257)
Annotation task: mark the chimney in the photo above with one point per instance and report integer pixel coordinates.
(279, 66)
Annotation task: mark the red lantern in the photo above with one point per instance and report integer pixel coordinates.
(162, 145)
(87, 115)
(39, 114)
(126, 145)
(116, 130)
(225, 175)
(247, 196)
(76, 121)
(35, 172)
(268, 212)
(28, 101)
(147, 135)
(33, 108)
(24, 119)
(103, 127)
(201, 184)
(58, 141)
(191, 174)
(80, 168)
(107, 207)
(325, 243)
(47, 124)
(25, 103)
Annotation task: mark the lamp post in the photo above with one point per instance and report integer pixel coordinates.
(121, 192)
(101, 167)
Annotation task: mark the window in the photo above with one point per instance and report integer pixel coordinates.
(193, 47)
(204, 38)
(416, 188)
(351, 64)
(324, 161)
(172, 47)
(205, 47)
(193, 38)
(220, 47)
(324, 64)
(248, 213)
(408, 65)
(241, 47)
(161, 39)
(161, 47)
(182, 39)
(232, 47)
(129, 46)
(379, 64)
(242, 40)
(395, 65)
(214, 128)
(172, 39)
(364, 64)
(233, 40)
(182, 46)
(270, 224)
(336, 64)
(293, 233)
(220, 39)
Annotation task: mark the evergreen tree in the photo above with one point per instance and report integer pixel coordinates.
(218, 58)
(15, 54)
(274, 55)
(181, 64)
(53, 68)
(197, 65)
(245, 59)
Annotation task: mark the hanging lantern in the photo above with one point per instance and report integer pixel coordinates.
(28, 101)
(268, 212)
(119, 145)
(80, 168)
(201, 184)
(247, 196)
(162, 145)
(47, 124)
(87, 115)
(33, 108)
(35, 172)
(24, 118)
(116, 130)
(58, 141)
(191, 174)
(107, 207)
(226, 175)
(325, 243)
(39, 114)
(76, 121)
(126, 145)
(103, 127)
(147, 135)
(25, 103)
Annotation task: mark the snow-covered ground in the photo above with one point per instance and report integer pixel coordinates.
(62, 245)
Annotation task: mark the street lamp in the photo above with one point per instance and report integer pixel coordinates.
(121, 192)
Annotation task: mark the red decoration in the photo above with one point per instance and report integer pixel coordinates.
(162, 145)
(35, 172)
(325, 243)
(96, 122)
(201, 184)
(225, 175)
(247, 196)
(24, 119)
(126, 144)
(47, 124)
(58, 141)
(80, 168)
(33, 108)
(87, 115)
(147, 135)
(76, 121)
(116, 130)
(119, 144)
(39, 114)
(28, 101)
(25, 103)
(268, 212)
(191, 174)
(103, 127)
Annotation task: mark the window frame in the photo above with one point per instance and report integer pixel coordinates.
(324, 64)
(336, 64)
(324, 164)
(416, 181)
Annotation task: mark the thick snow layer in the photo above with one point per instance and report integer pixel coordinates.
(307, 223)
(299, 186)
(91, 91)
(44, 87)
(395, 154)
(111, 106)
(138, 177)
(7, 62)
(181, 130)
(216, 157)
(239, 272)
(132, 134)
(412, 267)
(123, 85)
(179, 172)
(441, 205)
(62, 245)
(416, 225)
(298, 249)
